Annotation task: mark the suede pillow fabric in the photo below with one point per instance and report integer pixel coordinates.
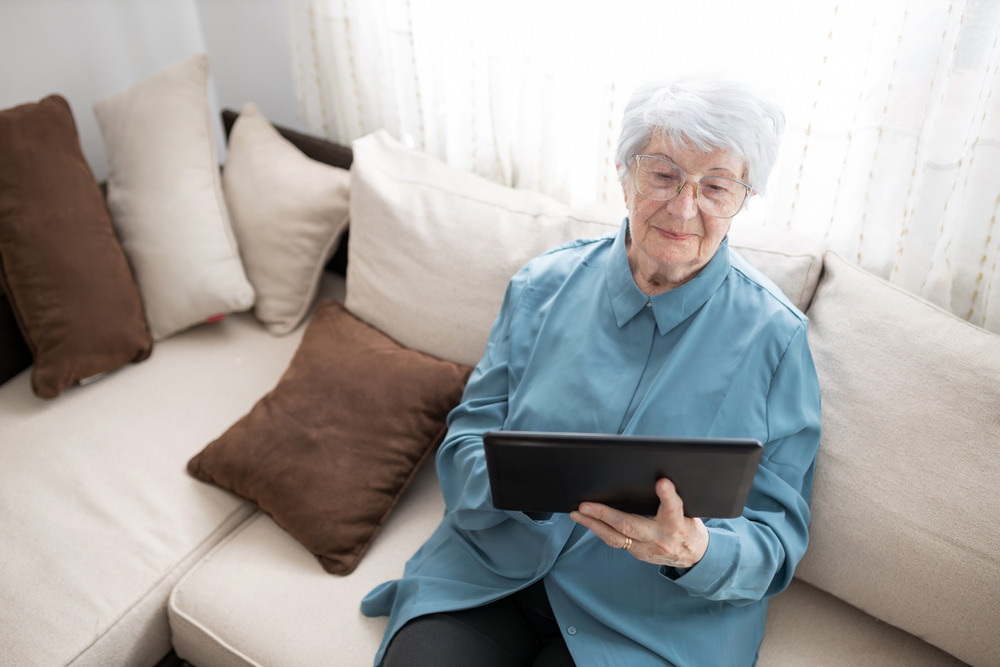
(329, 451)
(165, 197)
(67, 280)
(288, 213)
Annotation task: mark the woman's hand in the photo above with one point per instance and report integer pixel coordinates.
(669, 538)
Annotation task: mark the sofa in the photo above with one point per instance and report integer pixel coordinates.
(114, 553)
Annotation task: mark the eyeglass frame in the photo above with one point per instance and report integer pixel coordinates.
(695, 184)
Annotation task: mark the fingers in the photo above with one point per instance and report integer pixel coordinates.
(612, 526)
(620, 521)
(671, 510)
(668, 539)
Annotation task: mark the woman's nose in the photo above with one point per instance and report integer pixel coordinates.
(684, 205)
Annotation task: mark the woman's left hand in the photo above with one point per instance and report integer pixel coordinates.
(669, 538)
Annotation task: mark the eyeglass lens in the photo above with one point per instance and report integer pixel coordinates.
(662, 180)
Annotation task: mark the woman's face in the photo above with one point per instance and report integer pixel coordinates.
(671, 241)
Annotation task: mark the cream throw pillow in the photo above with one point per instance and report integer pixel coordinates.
(165, 197)
(288, 212)
(907, 487)
(433, 247)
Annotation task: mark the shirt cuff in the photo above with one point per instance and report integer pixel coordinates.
(702, 576)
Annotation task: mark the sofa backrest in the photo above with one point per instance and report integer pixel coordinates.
(907, 486)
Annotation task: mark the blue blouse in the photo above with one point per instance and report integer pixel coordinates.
(578, 347)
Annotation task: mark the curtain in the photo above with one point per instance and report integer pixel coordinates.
(891, 157)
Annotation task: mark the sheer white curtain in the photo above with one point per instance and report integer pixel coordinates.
(892, 155)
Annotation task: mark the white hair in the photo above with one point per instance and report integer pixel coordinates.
(706, 114)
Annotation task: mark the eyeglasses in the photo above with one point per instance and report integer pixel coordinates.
(660, 180)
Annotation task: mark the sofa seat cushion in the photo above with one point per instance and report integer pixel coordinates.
(260, 598)
(809, 628)
(98, 518)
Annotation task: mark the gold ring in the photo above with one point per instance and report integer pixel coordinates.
(628, 544)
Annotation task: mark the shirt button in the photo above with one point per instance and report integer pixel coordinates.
(571, 630)
(649, 304)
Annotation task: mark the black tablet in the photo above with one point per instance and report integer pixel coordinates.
(555, 472)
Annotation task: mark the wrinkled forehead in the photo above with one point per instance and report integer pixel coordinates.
(693, 160)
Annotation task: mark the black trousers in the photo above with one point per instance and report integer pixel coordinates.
(519, 630)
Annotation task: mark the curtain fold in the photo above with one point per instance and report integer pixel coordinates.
(892, 154)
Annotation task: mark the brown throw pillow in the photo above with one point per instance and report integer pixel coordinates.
(67, 279)
(328, 452)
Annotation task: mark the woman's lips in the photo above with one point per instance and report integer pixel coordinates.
(672, 236)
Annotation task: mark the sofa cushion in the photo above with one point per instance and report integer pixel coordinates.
(809, 628)
(288, 213)
(907, 479)
(69, 285)
(165, 197)
(329, 450)
(792, 263)
(433, 247)
(98, 519)
(261, 598)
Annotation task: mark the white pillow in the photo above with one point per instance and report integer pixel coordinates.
(165, 197)
(432, 246)
(288, 212)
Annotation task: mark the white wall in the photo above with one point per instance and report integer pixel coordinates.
(84, 50)
(247, 45)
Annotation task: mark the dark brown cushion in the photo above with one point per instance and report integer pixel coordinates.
(328, 452)
(67, 279)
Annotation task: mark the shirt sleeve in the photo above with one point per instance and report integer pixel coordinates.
(461, 461)
(755, 555)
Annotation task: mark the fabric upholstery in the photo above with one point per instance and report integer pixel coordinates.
(14, 353)
(262, 599)
(794, 264)
(809, 628)
(906, 483)
(288, 213)
(98, 519)
(67, 280)
(329, 451)
(311, 146)
(433, 246)
(165, 197)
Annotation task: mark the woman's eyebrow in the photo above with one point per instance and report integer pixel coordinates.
(668, 157)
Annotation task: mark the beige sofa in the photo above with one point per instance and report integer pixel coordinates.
(112, 554)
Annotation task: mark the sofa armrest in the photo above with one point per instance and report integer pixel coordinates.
(14, 353)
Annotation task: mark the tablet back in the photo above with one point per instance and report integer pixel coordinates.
(555, 472)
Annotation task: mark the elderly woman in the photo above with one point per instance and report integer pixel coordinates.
(658, 330)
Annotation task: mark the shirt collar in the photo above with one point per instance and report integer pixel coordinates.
(669, 308)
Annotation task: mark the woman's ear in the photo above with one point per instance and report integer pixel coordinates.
(624, 184)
